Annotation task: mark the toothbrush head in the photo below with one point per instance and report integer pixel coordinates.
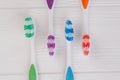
(69, 31)
(29, 27)
(50, 3)
(85, 3)
(86, 44)
(51, 44)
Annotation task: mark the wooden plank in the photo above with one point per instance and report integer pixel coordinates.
(98, 76)
(80, 76)
(105, 51)
(59, 3)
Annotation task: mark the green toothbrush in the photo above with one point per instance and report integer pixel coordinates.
(29, 28)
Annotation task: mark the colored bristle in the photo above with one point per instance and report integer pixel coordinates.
(29, 27)
(86, 52)
(85, 3)
(68, 22)
(86, 44)
(51, 44)
(86, 36)
(50, 3)
(69, 31)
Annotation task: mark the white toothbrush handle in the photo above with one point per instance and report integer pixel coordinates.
(86, 47)
(68, 53)
(33, 55)
(85, 15)
(51, 21)
(69, 72)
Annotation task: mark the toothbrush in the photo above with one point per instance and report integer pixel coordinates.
(29, 28)
(69, 35)
(86, 36)
(51, 37)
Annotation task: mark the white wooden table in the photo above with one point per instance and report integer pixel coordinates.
(104, 20)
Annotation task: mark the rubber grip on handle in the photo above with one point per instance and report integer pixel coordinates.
(32, 73)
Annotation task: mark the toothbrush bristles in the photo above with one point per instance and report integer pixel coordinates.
(29, 27)
(51, 44)
(86, 44)
(69, 31)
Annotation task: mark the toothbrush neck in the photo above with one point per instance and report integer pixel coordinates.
(51, 21)
(85, 24)
(68, 53)
(32, 51)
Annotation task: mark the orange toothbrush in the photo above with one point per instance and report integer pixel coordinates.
(86, 36)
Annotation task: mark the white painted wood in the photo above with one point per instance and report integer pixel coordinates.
(98, 76)
(80, 76)
(13, 77)
(59, 3)
(102, 64)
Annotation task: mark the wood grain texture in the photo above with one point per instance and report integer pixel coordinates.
(81, 76)
(59, 3)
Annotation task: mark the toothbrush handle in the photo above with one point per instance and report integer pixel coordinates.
(86, 42)
(69, 73)
(33, 75)
(33, 72)
(33, 55)
(68, 53)
(85, 15)
(51, 22)
(51, 37)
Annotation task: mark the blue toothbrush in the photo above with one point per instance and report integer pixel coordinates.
(69, 35)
